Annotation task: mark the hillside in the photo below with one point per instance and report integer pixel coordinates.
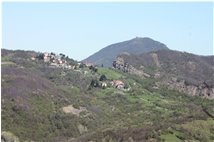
(189, 73)
(45, 100)
(135, 46)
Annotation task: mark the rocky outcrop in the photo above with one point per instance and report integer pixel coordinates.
(74, 111)
(193, 90)
(82, 129)
(9, 137)
(155, 59)
(181, 71)
(120, 64)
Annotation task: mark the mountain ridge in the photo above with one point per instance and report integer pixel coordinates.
(182, 71)
(136, 45)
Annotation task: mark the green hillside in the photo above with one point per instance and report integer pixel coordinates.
(43, 103)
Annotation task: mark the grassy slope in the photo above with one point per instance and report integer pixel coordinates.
(113, 114)
(110, 73)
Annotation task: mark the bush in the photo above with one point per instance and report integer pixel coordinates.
(103, 78)
(126, 86)
(94, 83)
(93, 68)
(82, 65)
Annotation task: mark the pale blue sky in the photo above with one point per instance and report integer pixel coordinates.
(81, 29)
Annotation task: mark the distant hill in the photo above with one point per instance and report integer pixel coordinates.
(135, 46)
(189, 73)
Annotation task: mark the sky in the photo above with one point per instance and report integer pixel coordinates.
(79, 29)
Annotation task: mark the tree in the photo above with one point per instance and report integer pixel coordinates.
(82, 65)
(114, 64)
(94, 83)
(103, 78)
(53, 54)
(93, 68)
(40, 56)
(62, 56)
(126, 86)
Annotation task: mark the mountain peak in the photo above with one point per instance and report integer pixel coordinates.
(147, 41)
(142, 39)
(137, 45)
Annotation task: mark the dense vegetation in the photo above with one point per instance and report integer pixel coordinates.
(34, 96)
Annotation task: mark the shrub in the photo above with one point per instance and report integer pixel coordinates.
(94, 83)
(82, 65)
(103, 78)
(126, 86)
(93, 68)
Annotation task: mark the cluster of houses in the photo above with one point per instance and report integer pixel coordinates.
(54, 60)
(119, 84)
(60, 60)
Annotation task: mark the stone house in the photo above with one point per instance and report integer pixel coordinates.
(46, 57)
(104, 85)
(117, 84)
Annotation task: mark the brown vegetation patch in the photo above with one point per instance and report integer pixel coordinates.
(71, 109)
